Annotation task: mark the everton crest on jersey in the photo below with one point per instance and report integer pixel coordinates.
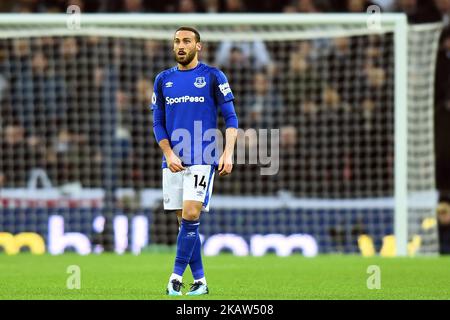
(200, 82)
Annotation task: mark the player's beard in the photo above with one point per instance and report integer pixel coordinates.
(186, 59)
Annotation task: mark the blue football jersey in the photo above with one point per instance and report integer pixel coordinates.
(190, 101)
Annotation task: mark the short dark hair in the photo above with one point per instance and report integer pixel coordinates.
(197, 34)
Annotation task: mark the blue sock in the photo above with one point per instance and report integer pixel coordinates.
(196, 261)
(186, 240)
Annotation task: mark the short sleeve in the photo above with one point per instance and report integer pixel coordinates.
(157, 97)
(222, 89)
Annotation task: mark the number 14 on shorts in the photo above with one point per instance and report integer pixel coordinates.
(202, 182)
(194, 183)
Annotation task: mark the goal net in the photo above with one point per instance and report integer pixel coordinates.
(79, 165)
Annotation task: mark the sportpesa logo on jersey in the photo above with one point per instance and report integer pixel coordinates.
(183, 99)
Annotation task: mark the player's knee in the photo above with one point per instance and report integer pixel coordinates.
(191, 213)
(191, 216)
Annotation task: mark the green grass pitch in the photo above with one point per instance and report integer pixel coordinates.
(110, 276)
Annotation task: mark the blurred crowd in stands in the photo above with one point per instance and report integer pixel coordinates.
(70, 103)
(418, 11)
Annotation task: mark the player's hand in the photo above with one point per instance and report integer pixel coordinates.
(225, 164)
(174, 163)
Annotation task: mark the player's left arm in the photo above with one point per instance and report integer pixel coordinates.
(224, 98)
(231, 123)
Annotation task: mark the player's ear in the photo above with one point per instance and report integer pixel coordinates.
(199, 46)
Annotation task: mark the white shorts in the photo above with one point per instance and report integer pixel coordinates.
(193, 183)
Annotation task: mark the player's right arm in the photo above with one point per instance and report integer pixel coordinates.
(159, 128)
(173, 162)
